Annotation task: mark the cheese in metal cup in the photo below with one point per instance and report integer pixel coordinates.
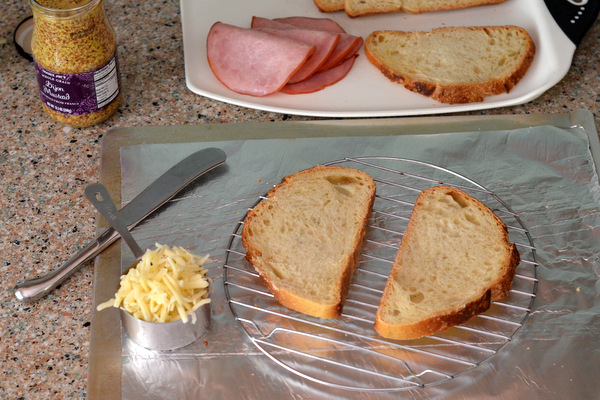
(75, 54)
(167, 284)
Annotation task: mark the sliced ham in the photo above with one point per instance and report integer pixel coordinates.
(252, 62)
(347, 47)
(357, 45)
(320, 80)
(321, 24)
(261, 22)
(324, 42)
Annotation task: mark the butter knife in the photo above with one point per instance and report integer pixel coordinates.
(155, 195)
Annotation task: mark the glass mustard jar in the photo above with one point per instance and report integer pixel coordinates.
(75, 54)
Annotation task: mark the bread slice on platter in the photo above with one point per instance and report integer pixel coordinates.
(454, 259)
(303, 240)
(330, 5)
(355, 8)
(453, 64)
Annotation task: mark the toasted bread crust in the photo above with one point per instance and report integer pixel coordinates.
(502, 287)
(422, 7)
(329, 5)
(455, 93)
(431, 324)
(377, 8)
(287, 297)
(436, 323)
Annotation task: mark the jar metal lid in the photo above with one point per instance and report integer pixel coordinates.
(22, 38)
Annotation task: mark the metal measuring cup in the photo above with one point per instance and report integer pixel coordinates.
(151, 335)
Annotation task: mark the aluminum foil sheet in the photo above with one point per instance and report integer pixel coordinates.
(545, 174)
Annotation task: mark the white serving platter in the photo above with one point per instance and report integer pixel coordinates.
(365, 92)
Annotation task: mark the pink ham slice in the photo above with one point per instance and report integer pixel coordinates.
(320, 80)
(252, 62)
(357, 45)
(324, 43)
(261, 22)
(320, 24)
(347, 46)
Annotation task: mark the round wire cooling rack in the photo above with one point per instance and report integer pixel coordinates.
(347, 352)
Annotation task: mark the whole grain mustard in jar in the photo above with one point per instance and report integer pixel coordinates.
(75, 54)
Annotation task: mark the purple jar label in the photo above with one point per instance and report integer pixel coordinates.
(78, 94)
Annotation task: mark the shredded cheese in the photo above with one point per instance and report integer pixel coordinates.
(168, 284)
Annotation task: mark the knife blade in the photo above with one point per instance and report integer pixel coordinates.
(151, 198)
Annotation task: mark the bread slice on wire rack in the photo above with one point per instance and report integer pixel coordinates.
(454, 259)
(304, 239)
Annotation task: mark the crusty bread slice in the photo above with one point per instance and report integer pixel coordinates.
(454, 64)
(330, 5)
(303, 240)
(455, 257)
(355, 8)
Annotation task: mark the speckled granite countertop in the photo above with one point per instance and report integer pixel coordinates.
(45, 166)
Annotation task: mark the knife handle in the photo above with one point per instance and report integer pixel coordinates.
(156, 194)
(34, 289)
